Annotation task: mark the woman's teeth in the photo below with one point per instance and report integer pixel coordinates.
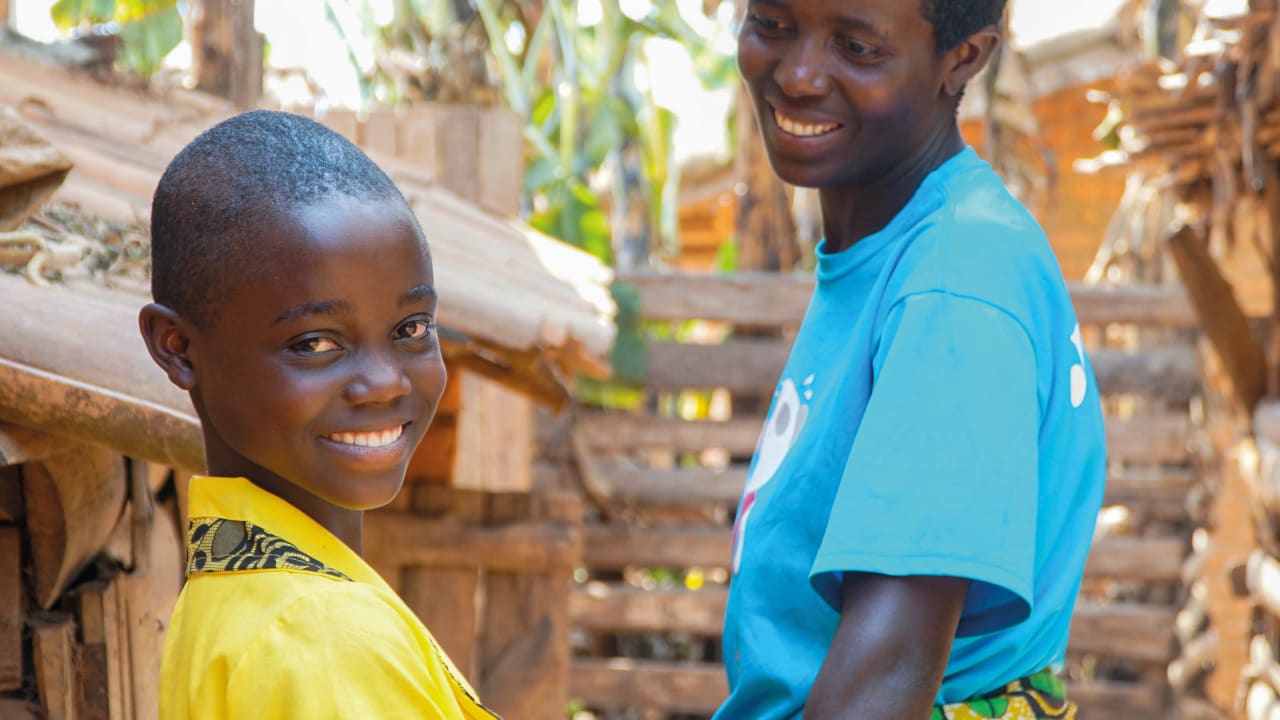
(380, 438)
(799, 129)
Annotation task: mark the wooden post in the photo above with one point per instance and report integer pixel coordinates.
(227, 57)
(57, 668)
(446, 599)
(494, 437)
(524, 650)
(12, 608)
(1224, 323)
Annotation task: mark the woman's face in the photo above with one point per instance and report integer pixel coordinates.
(844, 90)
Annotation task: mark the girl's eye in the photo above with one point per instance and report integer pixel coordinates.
(315, 346)
(415, 330)
(765, 26)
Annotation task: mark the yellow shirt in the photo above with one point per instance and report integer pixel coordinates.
(279, 619)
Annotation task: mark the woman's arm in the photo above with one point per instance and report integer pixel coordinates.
(891, 648)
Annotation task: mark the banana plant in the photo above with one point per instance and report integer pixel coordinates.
(148, 29)
(595, 139)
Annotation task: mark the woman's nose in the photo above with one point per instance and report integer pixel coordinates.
(802, 72)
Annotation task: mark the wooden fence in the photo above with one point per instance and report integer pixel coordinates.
(648, 640)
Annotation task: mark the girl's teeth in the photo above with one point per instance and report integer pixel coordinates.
(369, 439)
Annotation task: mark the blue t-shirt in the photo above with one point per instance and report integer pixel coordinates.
(938, 416)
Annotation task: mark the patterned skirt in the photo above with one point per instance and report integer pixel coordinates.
(1040, 696)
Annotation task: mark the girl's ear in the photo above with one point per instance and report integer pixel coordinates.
(168, 338)
(968, 58)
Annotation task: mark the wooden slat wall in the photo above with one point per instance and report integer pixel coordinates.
(679, 513)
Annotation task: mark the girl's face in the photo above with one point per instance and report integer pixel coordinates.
(844, 90)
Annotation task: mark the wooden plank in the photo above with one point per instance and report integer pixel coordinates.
(445, 599)
(695, 688)
(11, 506)
(73, 501)
(754, 365)
(398, 539)
(1137, 559)
(53, 645)
(1131, 701)
(781, 299)
(13, 609)
(501, 162)
(524, 646)
(1123, 631)
(699, 688)
(1155, 438)
(1224, 322)
(14, 709)
(623, 609)
(615, 547)
(494, 438)
(1158, 490)
(609, 431)
(677, 487)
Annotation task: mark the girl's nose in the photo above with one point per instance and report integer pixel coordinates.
(379, 379)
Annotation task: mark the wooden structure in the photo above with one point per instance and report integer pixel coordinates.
(477, 549)
(648, 612)
(1201, 135)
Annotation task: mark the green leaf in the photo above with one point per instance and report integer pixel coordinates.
(628, 354)
(146, 41)
(70, 14)
(726, 260)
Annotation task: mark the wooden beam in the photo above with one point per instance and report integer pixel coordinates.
(11, 507)
(615, 547)
(1123, 631)
(694, 688)
(73, 501)
(1131, 701)
(667, 488)
(13, 609)
(1224, 322)
(754, 365)
(400, 539)
(494, 437)
(227, 51)
(1156, 438)
(1137, 559)
(121, 399)
(1158, 490)
(609, 431)
(14, 709)
(57, 673)
(622, 609)
(781, 299)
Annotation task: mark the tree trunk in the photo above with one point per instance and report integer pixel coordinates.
(227, 50)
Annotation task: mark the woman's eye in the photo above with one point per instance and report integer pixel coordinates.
(315, 346)
(765, 26)
(415, 330)
(858, 50)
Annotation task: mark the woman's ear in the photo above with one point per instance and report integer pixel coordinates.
(967, 59)
(168, 338)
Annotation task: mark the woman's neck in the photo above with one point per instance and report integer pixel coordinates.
(852, 212)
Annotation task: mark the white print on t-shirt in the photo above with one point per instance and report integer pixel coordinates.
(1079, 379)
(790, 409)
